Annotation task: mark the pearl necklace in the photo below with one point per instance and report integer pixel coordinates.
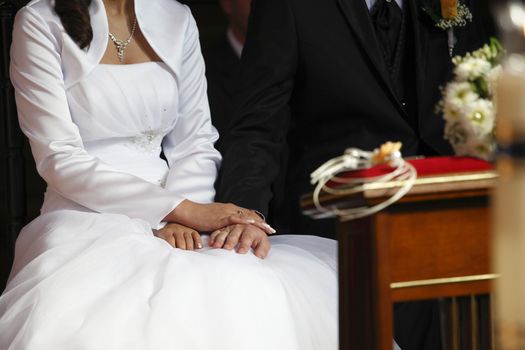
(121, 45)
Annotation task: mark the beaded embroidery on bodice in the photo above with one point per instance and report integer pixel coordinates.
(137, 102)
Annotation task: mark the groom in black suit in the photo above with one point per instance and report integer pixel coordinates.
(222, 63)
(318, 76)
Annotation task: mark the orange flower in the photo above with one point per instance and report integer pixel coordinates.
(384, 153)
(449, 9)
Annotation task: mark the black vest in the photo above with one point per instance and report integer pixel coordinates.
(395, 36)
(402, 72)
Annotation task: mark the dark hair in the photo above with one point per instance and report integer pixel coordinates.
(74, 15)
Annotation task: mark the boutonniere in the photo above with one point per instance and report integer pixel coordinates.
(447, 15)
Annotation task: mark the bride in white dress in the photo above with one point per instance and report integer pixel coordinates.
(92, 271)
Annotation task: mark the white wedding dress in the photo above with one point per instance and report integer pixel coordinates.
(85, 279)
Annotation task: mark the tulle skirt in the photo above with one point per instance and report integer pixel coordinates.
(84, 280)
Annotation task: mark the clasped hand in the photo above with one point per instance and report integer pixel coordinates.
(242, 237)
(232, 226)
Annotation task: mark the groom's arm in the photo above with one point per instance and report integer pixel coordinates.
(255, 143)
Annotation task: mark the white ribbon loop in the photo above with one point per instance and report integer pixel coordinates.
(355, 159)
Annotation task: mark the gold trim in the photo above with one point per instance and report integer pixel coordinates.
(447, 280)
(428, 180)
(422, 185)
(433, 180)
(439, 184)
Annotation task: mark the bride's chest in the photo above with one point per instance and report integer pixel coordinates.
(124, 100)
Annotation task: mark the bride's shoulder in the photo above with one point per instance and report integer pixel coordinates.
(169, 6)
(35, 17)
(168, 16)
(163, 10)
(40, 8)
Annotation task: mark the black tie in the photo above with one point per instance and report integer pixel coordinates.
(387, 18)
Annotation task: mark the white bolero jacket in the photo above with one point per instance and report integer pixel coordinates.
(45, 62)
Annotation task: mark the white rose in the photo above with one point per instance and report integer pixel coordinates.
(484, 53)
(451, 112)
(472, 68)
(481, 114)
(457, 95)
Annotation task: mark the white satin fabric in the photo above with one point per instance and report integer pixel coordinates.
(46, 64)
(88, 272)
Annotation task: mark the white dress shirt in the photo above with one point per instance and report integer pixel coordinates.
(371, 3)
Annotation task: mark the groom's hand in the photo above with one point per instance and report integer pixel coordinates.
(243, 237)
(212, 216)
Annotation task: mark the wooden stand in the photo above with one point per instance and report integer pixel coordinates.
(434, 243)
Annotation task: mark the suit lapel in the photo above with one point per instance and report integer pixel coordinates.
(420, 44)
(358, 18)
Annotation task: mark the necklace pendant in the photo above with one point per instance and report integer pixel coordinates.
(121, 45)
(120, 53)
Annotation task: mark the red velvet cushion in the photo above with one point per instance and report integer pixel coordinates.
(428, 166)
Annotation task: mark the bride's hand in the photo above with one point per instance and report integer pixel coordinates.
(210, 217)
(179, 236)
(243, 237)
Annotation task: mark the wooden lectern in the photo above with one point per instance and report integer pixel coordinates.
(433, 243)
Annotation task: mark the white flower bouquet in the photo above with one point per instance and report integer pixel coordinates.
(467, 103)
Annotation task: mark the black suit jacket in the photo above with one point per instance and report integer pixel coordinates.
(222, 66)
(313, 82)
